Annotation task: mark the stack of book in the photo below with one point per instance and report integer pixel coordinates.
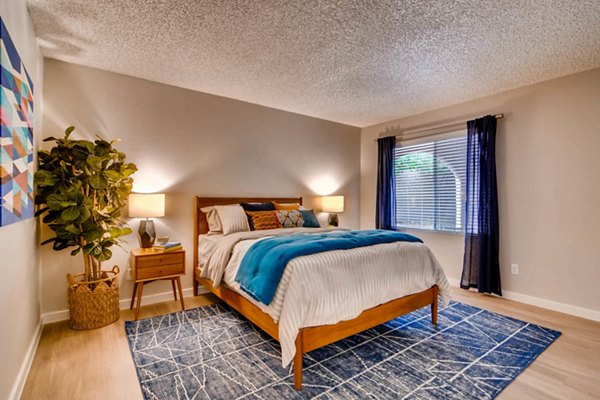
(170, 246)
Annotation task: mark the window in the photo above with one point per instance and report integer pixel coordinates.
(430, 181)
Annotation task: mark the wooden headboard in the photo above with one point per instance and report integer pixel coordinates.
(201, 224)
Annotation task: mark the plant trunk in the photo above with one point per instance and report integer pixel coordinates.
(87, 264)
(94, 268)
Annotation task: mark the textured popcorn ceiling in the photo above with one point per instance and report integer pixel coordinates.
(358, 62)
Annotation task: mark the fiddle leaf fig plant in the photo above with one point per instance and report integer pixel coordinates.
(81, 188)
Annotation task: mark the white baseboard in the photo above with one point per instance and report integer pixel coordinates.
(62, 315)
(17, 390)
(544, 303)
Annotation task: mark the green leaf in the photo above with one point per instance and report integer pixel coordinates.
(70, 214)
(80, 154)
(105, 254)
(102, 147)
(92, 249)
(89, 146)
(98, 182)
(112, 175)
(128, 169)
(72, 229)
(92, 235)
(60, 245)
(50, 139)
(48, 241)
(68, 131)
(95, 162)
(74, 194)
(45, 156)
(45, 178)
(50, 217)
(76, 251)
(57, 202)
(84, 214)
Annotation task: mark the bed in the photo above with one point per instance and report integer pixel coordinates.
(313, 336)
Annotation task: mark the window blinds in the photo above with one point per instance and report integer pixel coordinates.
(430, 180)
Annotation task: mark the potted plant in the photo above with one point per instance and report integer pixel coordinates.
(81, 188)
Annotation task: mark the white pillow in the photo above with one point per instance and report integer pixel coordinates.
(233, 218)
(212, 217)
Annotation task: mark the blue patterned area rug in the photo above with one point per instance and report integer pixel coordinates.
(212, 352)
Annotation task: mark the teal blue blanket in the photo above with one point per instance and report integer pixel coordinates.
(263, 265)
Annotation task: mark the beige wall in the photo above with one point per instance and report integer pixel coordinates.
(19, 263)
(187, 143)
(548, 167)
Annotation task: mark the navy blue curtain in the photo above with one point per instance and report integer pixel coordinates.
(385, 213)
(481, 268)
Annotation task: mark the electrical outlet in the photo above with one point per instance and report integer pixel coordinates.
(514, 269)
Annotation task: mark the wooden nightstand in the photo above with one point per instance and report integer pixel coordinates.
(148, 265)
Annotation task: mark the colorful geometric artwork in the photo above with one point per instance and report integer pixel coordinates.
(16, 134)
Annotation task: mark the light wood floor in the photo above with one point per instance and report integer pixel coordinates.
(97, 364)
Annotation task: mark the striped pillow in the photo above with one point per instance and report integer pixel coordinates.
(213, 220)
(232, 218)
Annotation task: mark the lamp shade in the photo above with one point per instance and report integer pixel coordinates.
(146, 205)
(333, 204)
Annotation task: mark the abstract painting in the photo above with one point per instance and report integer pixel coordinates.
(16, 135)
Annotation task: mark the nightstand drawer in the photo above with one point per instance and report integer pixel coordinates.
(160, 271)
(160, 259)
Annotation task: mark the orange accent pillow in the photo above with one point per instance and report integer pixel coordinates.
(262, 220)
(286, 206)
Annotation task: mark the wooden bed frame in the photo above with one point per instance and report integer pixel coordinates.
(310, 338)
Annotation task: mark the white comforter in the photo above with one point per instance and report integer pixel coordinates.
(325, 288)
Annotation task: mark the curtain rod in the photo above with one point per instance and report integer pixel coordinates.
(415, 133)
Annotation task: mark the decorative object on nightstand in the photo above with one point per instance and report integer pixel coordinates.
(81, 188)
(142, 205)
(333, 205)
(168, 247)
(149, 265)
(162, 240)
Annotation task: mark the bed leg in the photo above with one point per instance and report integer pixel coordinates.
(298, 363)
(195, 286)
(434, 306)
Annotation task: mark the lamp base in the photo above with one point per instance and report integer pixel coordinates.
(146, 233)
(333, 219)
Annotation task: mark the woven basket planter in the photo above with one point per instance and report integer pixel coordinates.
(93, 304)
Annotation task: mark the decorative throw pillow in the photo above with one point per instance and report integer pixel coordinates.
(232, 218)
(289, 218)
(262, 220)
(286, 206)
(256, 207)
(212, 217)
(310, 219)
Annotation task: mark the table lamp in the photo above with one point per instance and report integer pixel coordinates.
(146, 206)
(333, 205)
